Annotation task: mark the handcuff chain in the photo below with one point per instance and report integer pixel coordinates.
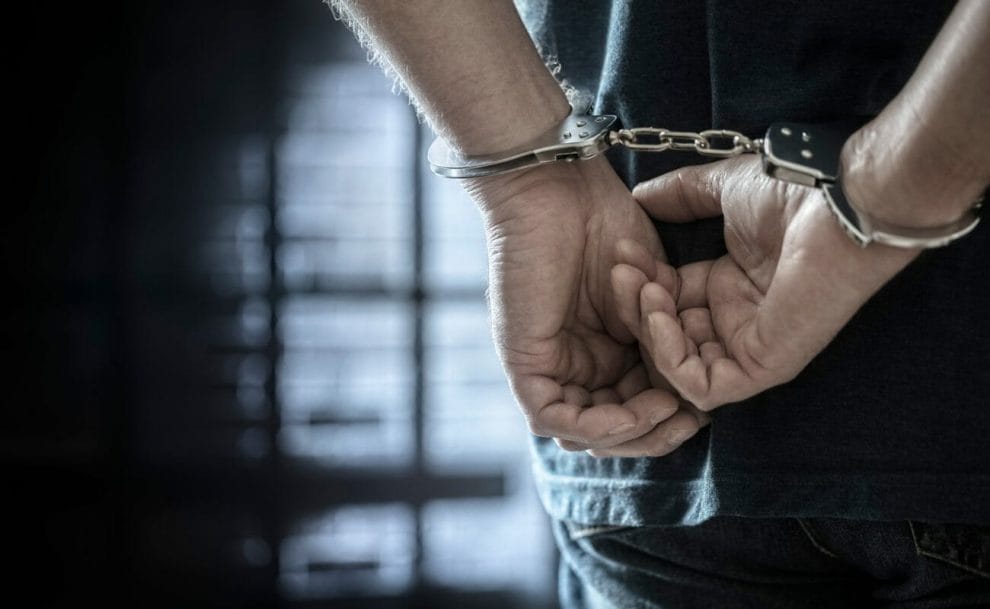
(706, 143)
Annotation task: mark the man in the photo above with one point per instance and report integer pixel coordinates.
(862, 478)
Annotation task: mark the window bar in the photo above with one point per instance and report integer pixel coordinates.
(419, 314)
(271, 513)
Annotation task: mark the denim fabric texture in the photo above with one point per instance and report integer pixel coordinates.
(788, 563)
(890, 421)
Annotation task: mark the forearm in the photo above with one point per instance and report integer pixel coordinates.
(925, 159)
(469, 65)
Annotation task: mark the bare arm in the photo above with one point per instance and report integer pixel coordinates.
(926, 157)
(791, 280)
(469, 64)
(551, 230)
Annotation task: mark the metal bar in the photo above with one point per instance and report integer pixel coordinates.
(419, 354)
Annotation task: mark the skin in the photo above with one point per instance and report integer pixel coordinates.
(754, 318)
(575, 370)
(570, 361)
(920, 162)
(577, 273)
(733, 327)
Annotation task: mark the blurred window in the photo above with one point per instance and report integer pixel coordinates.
(386, 375)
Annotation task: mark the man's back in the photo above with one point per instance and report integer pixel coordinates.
(889, 421)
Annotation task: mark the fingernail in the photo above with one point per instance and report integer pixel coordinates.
(622, 429)
(679, 436)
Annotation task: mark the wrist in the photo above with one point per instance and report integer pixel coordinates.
(865, 269)
(903, 177)
(502, 122)
(523, 191)
(497, 196)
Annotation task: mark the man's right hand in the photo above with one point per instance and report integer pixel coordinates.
(574, 368)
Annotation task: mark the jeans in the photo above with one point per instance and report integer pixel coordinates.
(730, 562)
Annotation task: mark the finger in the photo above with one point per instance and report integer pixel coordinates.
(605, 395)
(634, 254)
(655, 378)
(662, 440)
(575, 394)
(655, 298)
(656, 269)
(627, 281)
(569, 446)
(651, 407)
(705, 384)
(693, 284)
(637, 256)
(600, 425)
(635, 266)
(633, 382)
(703, 418)
(675, 355)
(589, 425)
(549, 414)
(697, 324)
(684, 195)
(711, 351)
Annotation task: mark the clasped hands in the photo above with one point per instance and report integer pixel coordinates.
(609, 349)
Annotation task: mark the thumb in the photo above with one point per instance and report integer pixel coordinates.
(683, 195)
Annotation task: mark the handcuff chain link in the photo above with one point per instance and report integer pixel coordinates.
(718, 143)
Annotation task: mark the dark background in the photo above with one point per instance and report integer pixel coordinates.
(121, 479)
(103, 88)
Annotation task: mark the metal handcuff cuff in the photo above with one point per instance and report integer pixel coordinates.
(798, 153)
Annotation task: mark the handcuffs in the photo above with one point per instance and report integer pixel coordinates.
(792, 152)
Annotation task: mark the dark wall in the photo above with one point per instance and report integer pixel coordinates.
(137, 471)
(121, 112)
(62, 336)
(134, 472)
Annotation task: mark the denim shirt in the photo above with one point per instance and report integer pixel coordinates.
(891, 420)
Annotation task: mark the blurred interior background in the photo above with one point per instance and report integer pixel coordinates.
(248, 356)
